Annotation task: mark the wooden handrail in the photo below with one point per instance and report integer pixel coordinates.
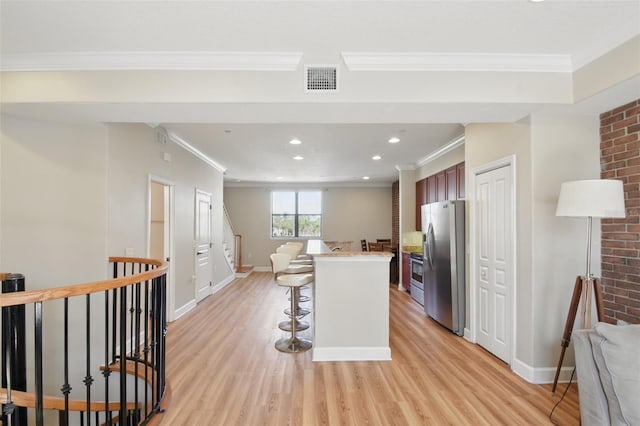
(135, 306)
(226, 213)
(25, 399)
(33, 296)
(238, 237)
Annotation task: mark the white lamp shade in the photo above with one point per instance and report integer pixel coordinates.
(591, 198)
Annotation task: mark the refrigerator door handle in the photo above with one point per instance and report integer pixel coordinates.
(429, 243)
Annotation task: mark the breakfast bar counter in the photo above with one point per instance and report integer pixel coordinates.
(351, 304)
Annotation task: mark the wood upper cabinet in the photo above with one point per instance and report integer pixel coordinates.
(432, 195)
(460, 180)
(421, 198)
(441, 186)
(452, 183)
(445, 185)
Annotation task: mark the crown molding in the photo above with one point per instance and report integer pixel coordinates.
(405, 167)
(195, 151)
(319, 186)
(171, 61)
(449, 146)
(427, 61)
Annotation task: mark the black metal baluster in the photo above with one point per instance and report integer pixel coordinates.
(88, 380)
(66, 387)
(163, 324)
(136, 353)
(123, 357)
(114, 316)
(14, 344)
(106, 373)
(154, 371)
(146, 345)
(38, 363)
(131, 313)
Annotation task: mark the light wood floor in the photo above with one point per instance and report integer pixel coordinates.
(224, 370)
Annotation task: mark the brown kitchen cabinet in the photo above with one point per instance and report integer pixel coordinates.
(441, 186)
(421, 198)
(460, 180)
(447, 184)
(452, 183)
(432, 195)
(406, 271)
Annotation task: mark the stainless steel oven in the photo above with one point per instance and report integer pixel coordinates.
(417, 283)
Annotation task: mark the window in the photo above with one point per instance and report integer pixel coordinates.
(296, 214)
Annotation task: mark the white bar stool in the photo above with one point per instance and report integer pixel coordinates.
(293, 343)
(281, 267)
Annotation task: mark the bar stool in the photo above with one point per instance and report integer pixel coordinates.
(294, 252)
(300, 246)
(280, 265)
(293, 343)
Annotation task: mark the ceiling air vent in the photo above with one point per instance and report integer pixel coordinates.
(321, 78)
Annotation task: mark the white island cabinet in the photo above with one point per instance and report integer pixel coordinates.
(351, 305)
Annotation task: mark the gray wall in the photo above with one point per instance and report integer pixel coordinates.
(72, 195)
(349, 214)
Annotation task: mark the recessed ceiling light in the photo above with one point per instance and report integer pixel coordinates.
(298, 157)
(279, 178)
(376, 157)
(295, 142)
(536, 1)
(394, 140)
(365, 177)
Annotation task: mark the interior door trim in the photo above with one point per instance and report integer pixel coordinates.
(471, 333)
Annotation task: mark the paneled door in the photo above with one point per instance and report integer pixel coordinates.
(493, 260)
(203, 245)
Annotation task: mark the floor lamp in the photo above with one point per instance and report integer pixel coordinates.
(599, 198)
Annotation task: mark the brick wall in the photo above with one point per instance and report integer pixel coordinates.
(620, 159)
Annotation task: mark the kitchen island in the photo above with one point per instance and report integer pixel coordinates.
(351, 304)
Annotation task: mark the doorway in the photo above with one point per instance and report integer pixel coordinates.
(160, 231)
(203, 245)
(492, 275)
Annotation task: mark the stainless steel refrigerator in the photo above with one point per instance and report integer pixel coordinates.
(444, 260)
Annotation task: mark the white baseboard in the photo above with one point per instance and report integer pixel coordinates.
(192, 303)
(541, 375)
(352, 354)
(184, 309)
(467, 335)
(222, 284)
(262, 269)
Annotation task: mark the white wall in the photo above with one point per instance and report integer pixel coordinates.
(54, 207)
(551, 251)
(53, 223)
(441, 163)
(72, 195)
(564, 148)
(134, 154)
(485, 143)
(349, 214)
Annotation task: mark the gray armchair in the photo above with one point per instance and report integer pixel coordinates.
(608, 367)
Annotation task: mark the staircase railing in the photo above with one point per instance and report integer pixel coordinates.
(104, 347)
(231, 236)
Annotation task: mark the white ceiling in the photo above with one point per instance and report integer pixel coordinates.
(250, 139)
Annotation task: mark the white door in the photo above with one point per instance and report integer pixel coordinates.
(493, 260)
(161, 213)
(203, 245)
